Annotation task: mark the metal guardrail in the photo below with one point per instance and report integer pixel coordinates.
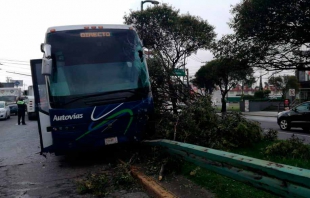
(284, 180)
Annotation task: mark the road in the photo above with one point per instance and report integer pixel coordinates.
(271, 123)
(26, 173)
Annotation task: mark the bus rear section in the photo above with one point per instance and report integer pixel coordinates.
(91, 88)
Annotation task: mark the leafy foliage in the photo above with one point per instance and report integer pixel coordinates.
(238, 132)
(175, 35)
(293, 148)
(103, 183)
(262, 93)
(270, 135)
(226, 73)
(275, 32)
(199, 124)
(171, 37)
(284, 83)
(95, 184)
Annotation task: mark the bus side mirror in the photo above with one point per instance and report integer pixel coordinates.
(47, 59)
(42, 47)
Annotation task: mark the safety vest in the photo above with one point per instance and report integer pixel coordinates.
(20, 102)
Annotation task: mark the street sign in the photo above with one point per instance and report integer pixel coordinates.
(291, 92)
(17, 82)
(179, 72)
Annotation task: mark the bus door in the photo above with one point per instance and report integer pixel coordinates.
(41, 105)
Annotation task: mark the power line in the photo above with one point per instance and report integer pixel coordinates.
(7, 62)
(194, 59)
(14, 66)
(197, 57)
(13, 60)
(18, 73)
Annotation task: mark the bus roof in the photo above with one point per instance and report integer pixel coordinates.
(89, 26)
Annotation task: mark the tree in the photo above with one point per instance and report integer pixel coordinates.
(277, 82)
(202, 80)
(284, 83)
(290, 82)
(275, 32)
(262, 93)
(226, 73)
(8, 79)
(172, 37)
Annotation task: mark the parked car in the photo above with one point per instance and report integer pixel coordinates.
(298, 116)
(4, 110)
(13, 109)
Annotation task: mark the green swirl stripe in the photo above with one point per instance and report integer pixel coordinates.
(110, 117)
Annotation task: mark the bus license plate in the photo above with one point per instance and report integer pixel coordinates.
(112, 140)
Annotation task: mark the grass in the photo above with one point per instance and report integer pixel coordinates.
(226, 187)
(221, 186)
(231, 107)
(256, 152)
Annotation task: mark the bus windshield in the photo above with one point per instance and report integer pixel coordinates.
(94, 61)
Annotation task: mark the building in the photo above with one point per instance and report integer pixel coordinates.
(304, 81)
(6, 85)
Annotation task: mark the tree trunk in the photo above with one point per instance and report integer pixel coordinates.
(223, 104)
(173, 96)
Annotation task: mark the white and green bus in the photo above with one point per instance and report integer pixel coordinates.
(91, 88)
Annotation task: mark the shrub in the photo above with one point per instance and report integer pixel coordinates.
(270, 135)
(238, 132)
(247, 97)
(291, 148)
(199, 124)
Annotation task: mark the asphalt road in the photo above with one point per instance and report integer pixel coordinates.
(271, 123)
(26, 173)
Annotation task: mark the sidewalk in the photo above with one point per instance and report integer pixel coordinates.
(261, 113)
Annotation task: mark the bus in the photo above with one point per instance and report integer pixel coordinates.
(10, 95)
(91, 87)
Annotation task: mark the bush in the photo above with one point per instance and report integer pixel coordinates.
(262, 93)
(292, 148)
(271, 135)
(199, 124)
(237, 132)
(247, 97)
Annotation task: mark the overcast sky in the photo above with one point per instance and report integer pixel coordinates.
(24, 22)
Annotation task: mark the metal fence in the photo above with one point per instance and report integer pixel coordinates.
(284, 180)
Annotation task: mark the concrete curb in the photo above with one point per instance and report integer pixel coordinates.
(154, 189)
(259, 115)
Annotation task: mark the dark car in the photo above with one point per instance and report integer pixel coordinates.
(298, 116)
(13, 108)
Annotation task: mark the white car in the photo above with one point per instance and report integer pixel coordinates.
(4, 110)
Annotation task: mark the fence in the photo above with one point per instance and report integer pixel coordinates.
(284, 180)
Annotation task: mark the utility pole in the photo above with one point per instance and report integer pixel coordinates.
(260, 81)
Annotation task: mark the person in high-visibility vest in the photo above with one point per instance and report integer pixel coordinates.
(21, 110)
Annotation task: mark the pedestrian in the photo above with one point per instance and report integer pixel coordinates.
(21, 110)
